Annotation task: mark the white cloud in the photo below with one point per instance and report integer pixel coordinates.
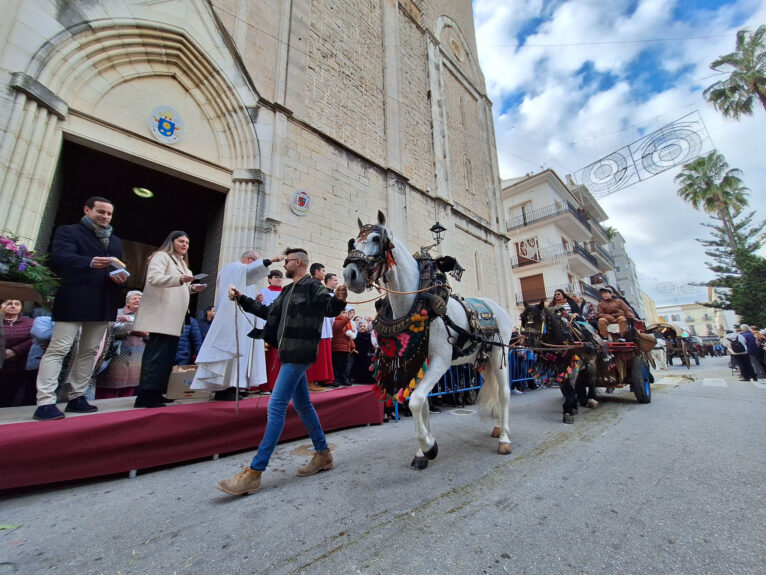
(563, 122)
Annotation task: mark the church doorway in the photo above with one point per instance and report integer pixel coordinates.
(141, 222)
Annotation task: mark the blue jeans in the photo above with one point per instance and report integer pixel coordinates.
(291, 384)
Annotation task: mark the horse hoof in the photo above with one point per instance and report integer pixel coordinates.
(419, 463)
(568, 418)
(433, 452)
(495, 432)
(592, 403)
(504, 448)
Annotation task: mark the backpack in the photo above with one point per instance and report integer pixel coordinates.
(737, 347)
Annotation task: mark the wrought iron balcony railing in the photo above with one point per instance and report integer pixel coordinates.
(589, 290)
(546, 212)
(549, 254)
(535, 295)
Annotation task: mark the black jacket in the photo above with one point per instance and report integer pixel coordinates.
(304, 303)
(86, 293)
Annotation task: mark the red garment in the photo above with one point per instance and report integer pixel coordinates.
(272, 369)
(321, 370)
(340, 341)
(18, 339)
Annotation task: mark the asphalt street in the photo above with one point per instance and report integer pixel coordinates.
(674, 486)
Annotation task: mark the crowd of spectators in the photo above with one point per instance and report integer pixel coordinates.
(87, 346)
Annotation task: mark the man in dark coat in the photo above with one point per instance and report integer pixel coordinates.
(294, 326)
(87, 257)
(753, 352)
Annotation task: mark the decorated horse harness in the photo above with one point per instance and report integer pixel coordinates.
(402, 357)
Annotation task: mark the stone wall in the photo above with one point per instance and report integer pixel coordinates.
(468, 162)
(344, 76)
(417, 135)
(342, 187)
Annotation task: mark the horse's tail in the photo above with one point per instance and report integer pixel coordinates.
(488, 400)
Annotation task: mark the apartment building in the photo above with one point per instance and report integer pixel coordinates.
(627, 277)
(557, 241)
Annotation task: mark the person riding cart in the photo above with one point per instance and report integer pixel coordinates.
(612, 310)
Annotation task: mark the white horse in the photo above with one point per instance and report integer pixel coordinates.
(381, 256)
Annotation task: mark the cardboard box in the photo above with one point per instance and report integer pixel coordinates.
(180, 382)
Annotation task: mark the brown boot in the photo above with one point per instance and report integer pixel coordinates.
(245, 482)
(316, 387)
(321, 461)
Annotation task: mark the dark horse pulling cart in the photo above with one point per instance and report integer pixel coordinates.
(571, 353)
(677, 343)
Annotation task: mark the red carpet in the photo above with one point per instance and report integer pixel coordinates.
(39, 452)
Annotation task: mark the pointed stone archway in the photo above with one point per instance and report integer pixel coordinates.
(77, 87)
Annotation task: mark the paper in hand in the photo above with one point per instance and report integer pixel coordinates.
(120, 272)
(117, 263)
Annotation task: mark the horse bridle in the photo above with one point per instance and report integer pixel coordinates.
(375, 266)
(531, 331)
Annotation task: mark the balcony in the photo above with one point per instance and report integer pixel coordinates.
(599, 232)
(606, 261)
(581, 263)
(590, 291)
(535, 295)
(566, 215)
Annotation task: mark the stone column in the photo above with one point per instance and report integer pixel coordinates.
(241, 214)
(438, 119)
(28, 156)
(396, 205)
(391, 42)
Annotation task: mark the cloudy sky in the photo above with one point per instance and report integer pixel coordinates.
(573, 80)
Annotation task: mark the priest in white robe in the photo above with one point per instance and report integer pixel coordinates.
(216, 368)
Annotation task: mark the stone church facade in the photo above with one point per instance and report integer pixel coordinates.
(354, 106)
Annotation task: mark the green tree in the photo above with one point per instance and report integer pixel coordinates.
(707, 183)
(734, 96)
(744, 283)
(749, 290)
(747, 236)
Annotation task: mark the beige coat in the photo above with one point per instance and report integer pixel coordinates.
(166, 300)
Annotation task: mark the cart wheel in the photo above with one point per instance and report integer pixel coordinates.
(640, 381)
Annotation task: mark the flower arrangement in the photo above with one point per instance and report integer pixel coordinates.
(18, 264)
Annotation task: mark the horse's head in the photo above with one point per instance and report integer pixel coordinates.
(369, 255)
(533, 320)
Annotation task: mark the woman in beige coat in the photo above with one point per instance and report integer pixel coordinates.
(164, 306)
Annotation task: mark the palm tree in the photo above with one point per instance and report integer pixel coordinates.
(707, 183)
(734, 96)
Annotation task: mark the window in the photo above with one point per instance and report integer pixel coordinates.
(617, 269)
(519, 215)
(675, 317)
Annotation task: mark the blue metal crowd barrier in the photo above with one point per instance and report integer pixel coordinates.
(461, 378)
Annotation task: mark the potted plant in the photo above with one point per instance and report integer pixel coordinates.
(23, 274)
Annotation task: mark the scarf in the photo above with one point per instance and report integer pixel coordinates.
(102, 234)
(274, 288)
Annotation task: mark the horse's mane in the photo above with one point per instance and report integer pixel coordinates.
(554, 332)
